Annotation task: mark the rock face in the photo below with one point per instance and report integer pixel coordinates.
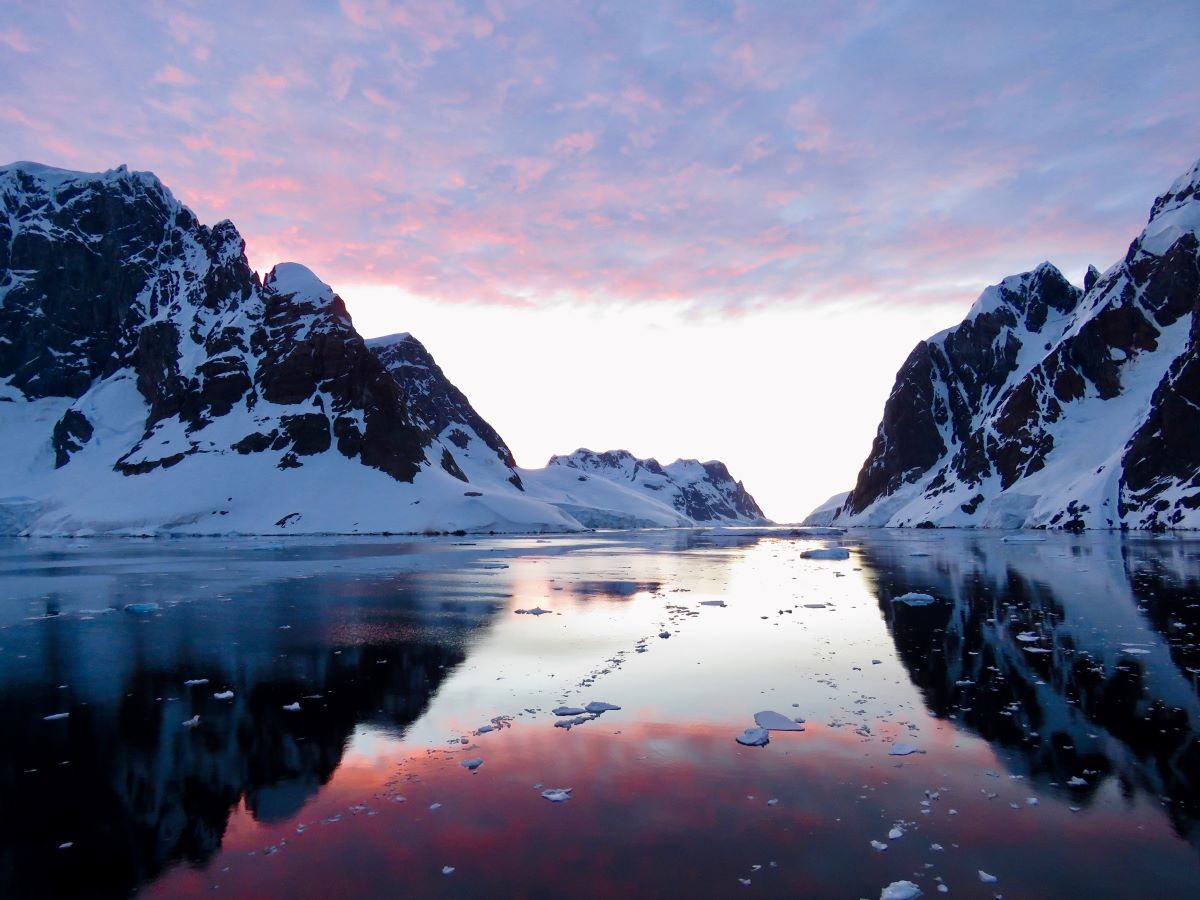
(698, 492)
(151, 382)
(1051, 406)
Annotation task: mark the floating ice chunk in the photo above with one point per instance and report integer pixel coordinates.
(712, 602)
(1136, 651)
(773, 802)
(447, 870)
(936, 847)
(578, 720)
(192, 681)
(192, 722)
(900, 890)
(986, 878)
(914, 598)
(826, 553)
(1037, 650)
(754, 737)
(599, 706)
(664, 634)
(141, 609)
(484, 729)
(557, 795)
(1031, 801)
(568, 710)
(1029, 637)
(879, 845)
(472, 764)
(942, 889)
(814, 606)
(66, 845)
(776, 721)
(292, 707)
(536, 611)
(896, 833)
(223, 695)
(903, 750)
(54, 717)
(1023, 539)
(434, 806)
(1076, 781)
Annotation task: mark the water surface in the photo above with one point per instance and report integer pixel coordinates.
(1050, 689)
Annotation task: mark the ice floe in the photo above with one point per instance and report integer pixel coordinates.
(472, 764)
(986, 878)
(223, 695)
(557, 795)
(536, 611)
(826, 553)
(914, 598)
(292, 707)
(754, 737)
(599, 706)
(141, 609)
(903, 750)
(776, 721)
(900, 890)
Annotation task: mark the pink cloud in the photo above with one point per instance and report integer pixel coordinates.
(173, 76)
(578, 143)
(16, 41)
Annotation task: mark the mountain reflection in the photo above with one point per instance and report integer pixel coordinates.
(134, 789)
(1076, 657)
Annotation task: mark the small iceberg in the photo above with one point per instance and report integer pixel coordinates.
(900, 890)
(776, 721)
(472, 764)
(192, 722)
(879, 845)
(557, 795)
(986, 878)
(142, 609)
(1023, 539)
(826, 553)
(223, 695)
(292, 707)
(904, 750)
(55, 717)
(914, 598)
(536, 611)
(194, 681)
(754, 737)
(568, 711)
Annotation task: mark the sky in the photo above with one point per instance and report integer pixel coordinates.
(697, 229)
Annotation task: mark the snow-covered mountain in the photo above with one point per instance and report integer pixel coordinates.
(151, 382)
(615, 489)
(1051, 406)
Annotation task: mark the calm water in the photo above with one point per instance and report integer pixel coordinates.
(1051, 690)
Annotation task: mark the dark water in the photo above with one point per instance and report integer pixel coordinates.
(1051, 689)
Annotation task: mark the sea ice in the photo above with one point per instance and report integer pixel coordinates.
(896, 833)
(826, 553)
(754, 737)
(1028, 637)
(903, 750)
(192, 681)
(192, 722)
(141, 609)
(568, 710)
(879, 845)
(557, 795)
(986, 878)
(292, 707)
(599, 706)
(914, 598)
(472, 764)
(447, 870)
(223, 695)
(55, 717)
(536, 611)
(1023, 539)
(900, 890)
(712, 602)
(1076, 781)
(776, 721)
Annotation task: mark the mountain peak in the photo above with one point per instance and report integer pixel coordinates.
(293, 279)
(1174, 214)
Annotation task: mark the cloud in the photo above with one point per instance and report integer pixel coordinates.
(579, 143)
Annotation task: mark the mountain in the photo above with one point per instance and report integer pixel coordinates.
(615, 489)
(151, 382)
(1052, 406)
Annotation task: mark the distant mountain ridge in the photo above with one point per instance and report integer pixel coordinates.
(150, 382)
(1052, 406)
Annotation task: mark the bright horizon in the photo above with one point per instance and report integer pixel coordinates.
(707, 230)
